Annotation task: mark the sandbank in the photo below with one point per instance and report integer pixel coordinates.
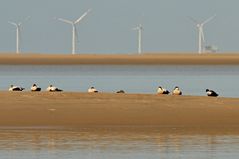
(114, 59)
(68, 109)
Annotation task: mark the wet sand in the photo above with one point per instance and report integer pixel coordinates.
(65, 109)
(134, 59)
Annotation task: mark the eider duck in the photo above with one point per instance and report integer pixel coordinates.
(53, 89)
(15, 88)
(120, 91)
(92, 90)
(35, 88)
(211, 93)
(162, 90)
(177, 91)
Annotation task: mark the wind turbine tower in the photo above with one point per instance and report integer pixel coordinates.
(140, 30)
(74, 29)
(201, 35)
(18, 33)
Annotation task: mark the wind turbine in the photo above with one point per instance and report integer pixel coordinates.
(201, 36)
(74, 29)
(139, 28)
(18, 33)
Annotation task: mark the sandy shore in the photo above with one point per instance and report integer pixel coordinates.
(146, 59)
(82, 109)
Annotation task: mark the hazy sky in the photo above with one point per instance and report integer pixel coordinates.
(107, 29)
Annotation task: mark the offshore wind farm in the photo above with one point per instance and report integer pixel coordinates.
(203, 46)
(156, 58)
(110, 32)
(75, 39)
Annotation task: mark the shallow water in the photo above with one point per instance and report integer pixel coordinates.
(193, 80)
(117, 144)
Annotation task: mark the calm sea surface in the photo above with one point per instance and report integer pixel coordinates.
(193, 80)
(116, 144)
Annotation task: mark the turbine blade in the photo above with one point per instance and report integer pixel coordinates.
(83, 16)
(15, 24)
(193, 20)
(208, 20)
(65, 21)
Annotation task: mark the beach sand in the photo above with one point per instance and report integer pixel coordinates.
(134, 59)
(66, 109)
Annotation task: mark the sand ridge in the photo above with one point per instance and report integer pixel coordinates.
(124, 59)
(69, 109)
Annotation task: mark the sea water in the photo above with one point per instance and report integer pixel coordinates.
(116, 144)
(192, 80)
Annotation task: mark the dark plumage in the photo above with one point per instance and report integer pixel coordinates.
(56, 90)
(120, 91)
(166, 92)
(38, 90)
(18, 89)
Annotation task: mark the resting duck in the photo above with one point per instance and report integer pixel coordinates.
(35, 88)
(162, 90)
(92, 90)
(211, 93)
(177, 91)
(53, 89)
(120, 91)
(15, 88)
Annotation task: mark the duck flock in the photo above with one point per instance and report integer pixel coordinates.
(35, 88)
(177, 91)
(161, 91)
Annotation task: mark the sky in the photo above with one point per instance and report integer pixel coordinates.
(108, 27)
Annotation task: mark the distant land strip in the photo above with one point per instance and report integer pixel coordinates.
(114, 59)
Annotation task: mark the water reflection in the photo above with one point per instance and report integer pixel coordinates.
(130, 143)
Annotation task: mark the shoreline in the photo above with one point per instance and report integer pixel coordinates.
(134, 59)
(74, 110)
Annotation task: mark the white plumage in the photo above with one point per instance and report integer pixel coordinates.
(53, 89)
(92, 90)
(177, 91)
